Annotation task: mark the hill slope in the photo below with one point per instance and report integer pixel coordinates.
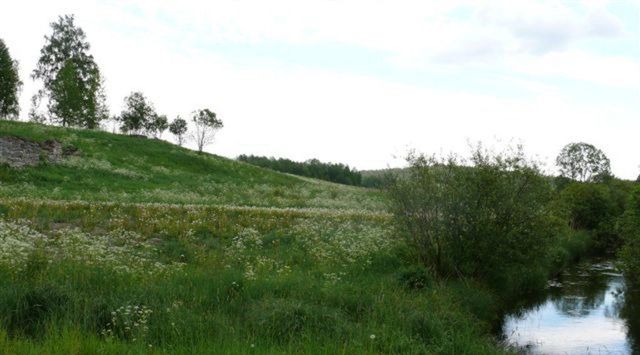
(113, 167)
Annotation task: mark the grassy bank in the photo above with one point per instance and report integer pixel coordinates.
(213, 280)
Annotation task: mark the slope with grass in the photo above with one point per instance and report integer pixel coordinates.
(138, 246)
(112, 167)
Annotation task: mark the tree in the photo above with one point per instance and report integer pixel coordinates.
(587, 205)
(66, 101)
(583, 162)
(71, 80)
(137, 115)
(157, 125)
(206, 125)
(314, 168)
(10, 84)
(178, 128)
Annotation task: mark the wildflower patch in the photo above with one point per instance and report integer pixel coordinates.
(121, 251)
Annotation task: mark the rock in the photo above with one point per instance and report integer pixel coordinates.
(53, 150)
(19, 152)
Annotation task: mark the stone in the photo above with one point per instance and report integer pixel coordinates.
(19, 152)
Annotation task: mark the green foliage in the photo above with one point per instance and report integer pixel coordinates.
(379, 179)
(596, 208)
(178, 128)
(82, 304)
(157, 125)
(568, 248)
(206, 125)
(338, 173)
(383, 178)
(67, 100)
(138, 246)
(287, 319)
(415, 277)
(71, 79)
(138, 115)
(27, 309)
(629, 228)
(481, 221)
(583, 162)
(587, 205)
(10, 84)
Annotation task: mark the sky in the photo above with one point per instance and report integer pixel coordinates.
(364, 82)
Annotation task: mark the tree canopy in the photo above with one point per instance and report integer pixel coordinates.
(334, 172)
(137, 114)
(206, 125)
(157, 125)
(10, 84)
(178, 128)
(70, 77)
(583, 162)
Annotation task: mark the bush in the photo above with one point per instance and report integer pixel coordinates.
(568, 248)
(478, 219)
(414, 277)
(587, 205)
(630, 232)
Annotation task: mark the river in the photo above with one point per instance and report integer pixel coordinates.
(585, 310)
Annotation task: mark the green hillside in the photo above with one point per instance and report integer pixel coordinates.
(113, 167)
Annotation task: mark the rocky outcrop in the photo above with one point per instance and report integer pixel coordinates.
(19, 152)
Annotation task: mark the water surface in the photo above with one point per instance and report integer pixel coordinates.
(586, 310)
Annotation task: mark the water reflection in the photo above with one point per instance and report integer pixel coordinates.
(587, 310)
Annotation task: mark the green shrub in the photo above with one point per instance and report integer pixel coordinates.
(477, 218)
(586, 204)
(629, 228)
(414, 277)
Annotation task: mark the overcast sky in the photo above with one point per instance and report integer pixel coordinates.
(362, 82)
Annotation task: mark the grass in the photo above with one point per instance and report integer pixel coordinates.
(114, 167)
(138, 246)
(286, 284)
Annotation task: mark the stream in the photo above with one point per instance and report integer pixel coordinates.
(585, 310)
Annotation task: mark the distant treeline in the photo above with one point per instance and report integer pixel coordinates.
(313, 168)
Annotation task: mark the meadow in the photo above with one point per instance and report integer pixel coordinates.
(138, 246)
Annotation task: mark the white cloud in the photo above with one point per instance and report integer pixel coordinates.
(614, 71)
(168, 51)
(545, 26)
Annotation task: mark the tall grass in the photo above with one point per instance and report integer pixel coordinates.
(301, 297)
